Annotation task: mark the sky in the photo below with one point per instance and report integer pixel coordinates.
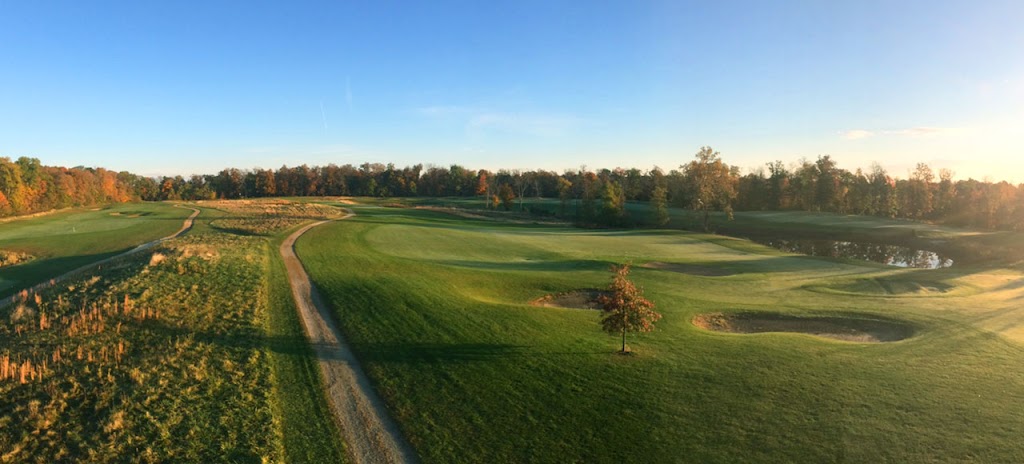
(166, 88)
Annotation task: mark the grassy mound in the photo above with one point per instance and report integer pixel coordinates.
(892, 286)
(692, 269)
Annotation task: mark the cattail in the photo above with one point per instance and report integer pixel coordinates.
(26, 371)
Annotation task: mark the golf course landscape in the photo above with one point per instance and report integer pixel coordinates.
(476, 332)
(512, 232)
(438, 309)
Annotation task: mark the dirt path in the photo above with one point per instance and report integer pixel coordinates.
(24, 294)
(370, 435)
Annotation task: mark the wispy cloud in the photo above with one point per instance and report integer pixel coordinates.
(440, 111)
(482, 119)
(857, 134)
(920, 131)
(533, 124)
(925, 131)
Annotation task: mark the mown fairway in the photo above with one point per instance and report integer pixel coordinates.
(66, 240)
(189, 352)
(436, 306)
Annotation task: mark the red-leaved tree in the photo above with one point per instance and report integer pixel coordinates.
(625, 308)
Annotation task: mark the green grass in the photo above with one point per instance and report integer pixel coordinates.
(435, 308)
(189, 352)
(307, 429)
(66, 240)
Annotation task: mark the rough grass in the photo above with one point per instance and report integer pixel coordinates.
(267, 216)
(190, 352)
(69, 239)
(436, 307)
(162, 362)
(12, 258)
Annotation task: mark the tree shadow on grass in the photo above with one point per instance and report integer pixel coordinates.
(436, 353)
(299, 345)
(381, 352)
(533, 265)
(289, 345)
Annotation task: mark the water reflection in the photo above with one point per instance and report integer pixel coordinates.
(892, 255)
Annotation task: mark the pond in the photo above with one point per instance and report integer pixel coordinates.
(892, 255)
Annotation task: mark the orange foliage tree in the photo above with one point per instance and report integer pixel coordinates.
(625, 308)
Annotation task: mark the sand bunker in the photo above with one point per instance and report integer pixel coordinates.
(577, 299)
(851, 329)
(692, 269)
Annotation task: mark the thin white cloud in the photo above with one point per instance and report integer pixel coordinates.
(441, 111)
(920, 131)
(481, 119)
(857, 134)
(924, 131)
(533, 124)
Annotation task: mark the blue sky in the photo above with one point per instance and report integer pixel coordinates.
(193, 87)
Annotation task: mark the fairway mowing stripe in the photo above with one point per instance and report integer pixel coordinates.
(185, 226)
(370, 434)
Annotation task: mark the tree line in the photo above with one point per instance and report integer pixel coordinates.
(26, 186)
(590, 197)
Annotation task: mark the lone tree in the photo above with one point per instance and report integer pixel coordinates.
(625, 308)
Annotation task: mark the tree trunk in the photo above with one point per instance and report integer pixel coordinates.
(623, 339)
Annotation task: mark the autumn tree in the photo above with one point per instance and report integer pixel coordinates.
(483, 185)
(625, 308)
(507, 196)
(711, 184)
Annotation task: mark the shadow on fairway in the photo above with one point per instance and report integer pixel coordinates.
(531, 265)
(416, 353)
(429, 353)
